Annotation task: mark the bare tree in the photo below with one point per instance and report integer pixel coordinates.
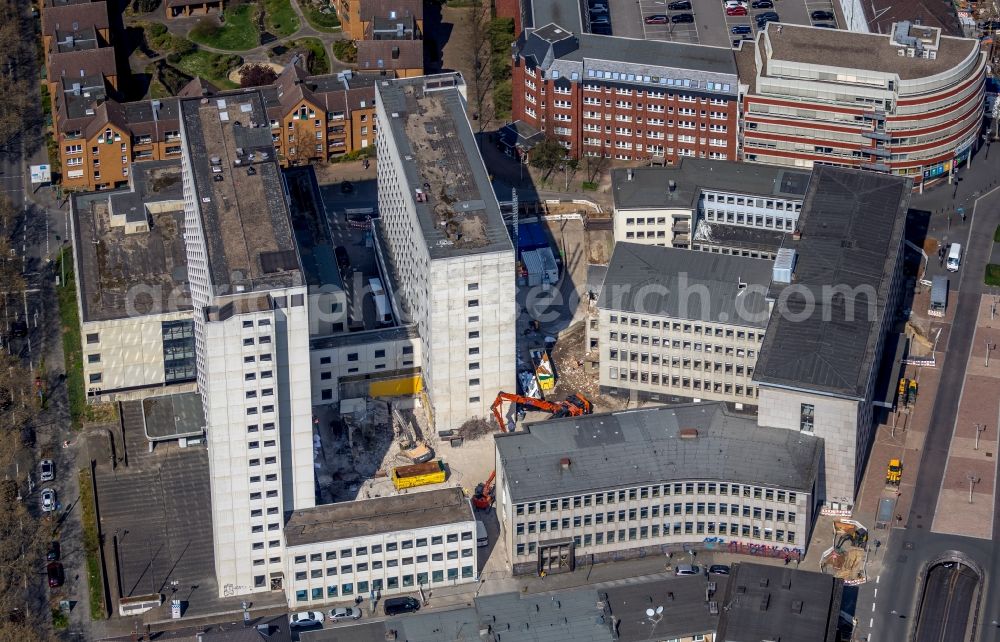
(481, 73)
(16, 92)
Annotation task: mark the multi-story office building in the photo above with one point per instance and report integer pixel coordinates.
(677, 324)
(131, 273)
(909, 102)
(822, 354)
(613, 485)
(732, 208)
(391, 545)
(624, 99)
(251, 327)
(446, 245)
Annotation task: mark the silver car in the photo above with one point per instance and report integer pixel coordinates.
(305, 619)
(46, 470)
(48, 500)
(344, 613)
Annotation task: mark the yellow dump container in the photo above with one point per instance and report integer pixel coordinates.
(431, 472)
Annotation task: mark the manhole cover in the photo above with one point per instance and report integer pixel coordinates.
(901, 559)
(907, 546)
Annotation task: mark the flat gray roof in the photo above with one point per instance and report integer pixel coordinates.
(570, 615)
(738, 236)
(852, 224)
(312, 230)
(870, 51)
(173, 416)
(111, 263)
(244, 216)
(687, 284)
(649, 187)
(685, 614)
(728, 448)
(427, 123)
(779, 603)
(345, 520)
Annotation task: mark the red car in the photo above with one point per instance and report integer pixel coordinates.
(656, 20)
(736, 11)
(55, 573)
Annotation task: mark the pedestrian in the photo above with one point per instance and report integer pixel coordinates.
(788, 560)
(670, 595)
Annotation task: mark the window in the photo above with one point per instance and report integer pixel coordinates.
(806, 416)
(93, 337)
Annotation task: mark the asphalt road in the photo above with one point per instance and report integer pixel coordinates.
(948, 594)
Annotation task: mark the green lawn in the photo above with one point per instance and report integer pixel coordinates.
(211, 66)
(992, 275)
(69, 320)
(238, 33)
(281, 19)
(319, 20)
(319, 62)
(91, 545)
(996, 235)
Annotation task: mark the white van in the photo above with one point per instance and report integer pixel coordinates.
(954, 257)
(482, 537)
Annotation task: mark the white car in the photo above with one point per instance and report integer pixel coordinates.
(47, 470)
(48, 500)
(344, 613)
(306, 618)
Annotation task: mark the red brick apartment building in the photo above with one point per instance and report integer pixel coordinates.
(626, 99)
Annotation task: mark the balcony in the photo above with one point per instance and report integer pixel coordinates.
(877, 151)
(875, 167)
(874, 115)
(877, 135)
(681, 227)
(335, 130)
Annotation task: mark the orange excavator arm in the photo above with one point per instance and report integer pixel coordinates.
(539, 404)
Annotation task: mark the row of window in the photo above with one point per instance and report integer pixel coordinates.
(679, 362)
(697, 385)
(759, 220)
(645, 512)
(658, 490)
(378, 565)
(677, 528)
(678, 326)
(389, 583)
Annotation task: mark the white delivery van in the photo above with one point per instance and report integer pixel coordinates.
(954, 257)
(482, 537)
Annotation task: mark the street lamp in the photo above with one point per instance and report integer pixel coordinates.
(980, 428)
(973, 480)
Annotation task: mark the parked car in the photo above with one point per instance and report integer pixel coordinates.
(681, 17)
(599, 6)
(48, 500)
(822, 15)
(56, 574)
(52, 555)
(718, 569)
(600, 20)
(344, 613)
(679, 5)
(601, 29)
(739, 30)
(306, 618)
(825, 25)
(764, 18)
(46, 470)
(398, 605)
(658, 19)
(762, 4)
(598, 12)
(734, 3)
(346, 187)
(736, 11)
(687, 569)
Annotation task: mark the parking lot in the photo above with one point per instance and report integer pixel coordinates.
(710, 24)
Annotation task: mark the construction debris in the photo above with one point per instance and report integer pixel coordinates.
(475, 428)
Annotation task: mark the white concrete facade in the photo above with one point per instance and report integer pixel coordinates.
(254, 381)
(124, 358)
(378, 356)
(626, 521)
(463, 304)
(391, 563)
(668, 227)
(663, 357)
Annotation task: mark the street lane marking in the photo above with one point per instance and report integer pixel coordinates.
(875, 596)
(877, 578)
(873, 607)
(871, 623)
